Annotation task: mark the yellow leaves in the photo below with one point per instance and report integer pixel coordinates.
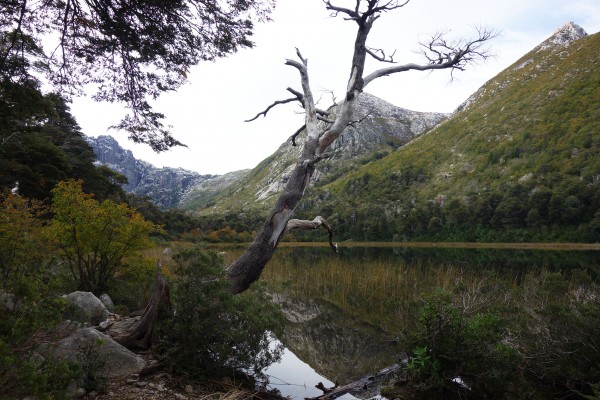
(96, 237)
(22, 238)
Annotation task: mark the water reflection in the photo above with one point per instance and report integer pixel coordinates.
(337, 345)
(344, 310)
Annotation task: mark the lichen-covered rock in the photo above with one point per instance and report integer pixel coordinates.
(90, 308)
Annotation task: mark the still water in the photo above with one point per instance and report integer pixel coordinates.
(345, 312)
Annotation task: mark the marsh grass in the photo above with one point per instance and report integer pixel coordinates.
(383, 291)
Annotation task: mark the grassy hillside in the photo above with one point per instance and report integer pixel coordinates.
(521, 161)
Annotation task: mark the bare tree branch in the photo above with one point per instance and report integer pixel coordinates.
(266, 110)
(443, 54)
(316, 223)
(309, 103)
(358, 121)
(295, 135)
(379, 55)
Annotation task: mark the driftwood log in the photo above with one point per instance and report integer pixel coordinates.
(140, 335)
(361, 384)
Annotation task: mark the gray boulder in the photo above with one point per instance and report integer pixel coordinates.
(107, 301)
(90, 308)
(99, 352)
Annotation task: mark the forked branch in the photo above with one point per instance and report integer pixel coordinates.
(316, 223)
(379, 55)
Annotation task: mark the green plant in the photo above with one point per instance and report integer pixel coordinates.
(450, 346)
(214, 333)
(96, 238)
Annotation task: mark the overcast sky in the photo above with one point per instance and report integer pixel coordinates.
(207, 113)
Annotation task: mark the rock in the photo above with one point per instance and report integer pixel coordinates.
(7, 300)
(112, 360)
(107, 301)
(120, 328)
(189, 389)
(104, 325)
(91, 308)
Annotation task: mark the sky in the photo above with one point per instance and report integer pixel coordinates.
(208, 113)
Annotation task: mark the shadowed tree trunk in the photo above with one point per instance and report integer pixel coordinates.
(140, 336)
(439, 53)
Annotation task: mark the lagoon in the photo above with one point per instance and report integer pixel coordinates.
(346, 313)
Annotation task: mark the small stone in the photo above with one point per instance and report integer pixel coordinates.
(111, 394)
(151, 385)
(141, 384)
(131, 381)
(189, 389)
(92, 394)
(79, 392)
(104, 325)
(180, 396)
(161, 388)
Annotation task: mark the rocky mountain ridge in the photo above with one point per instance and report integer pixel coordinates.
(382, 128)
(167, 187)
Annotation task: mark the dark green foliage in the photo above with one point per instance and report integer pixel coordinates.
(132, 51)
(214, 333)
(450, 344)
(40, 144)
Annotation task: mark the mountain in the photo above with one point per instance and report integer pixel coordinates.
(518, 161)
(380, 129)
(166, 187)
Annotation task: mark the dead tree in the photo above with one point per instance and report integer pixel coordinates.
(140, 335)
(321, 131)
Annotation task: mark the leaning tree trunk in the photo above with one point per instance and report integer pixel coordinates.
(248, 267)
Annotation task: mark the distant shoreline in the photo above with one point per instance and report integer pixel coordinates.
(461, 245)
(457, 245)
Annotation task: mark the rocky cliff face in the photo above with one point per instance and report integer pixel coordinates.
(166, 187)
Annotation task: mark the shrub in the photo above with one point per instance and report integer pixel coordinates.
(96, 238)
(450, 346)
(214, 333)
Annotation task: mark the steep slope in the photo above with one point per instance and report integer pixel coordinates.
(382, 128)
(166, 187)
(520, 160)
